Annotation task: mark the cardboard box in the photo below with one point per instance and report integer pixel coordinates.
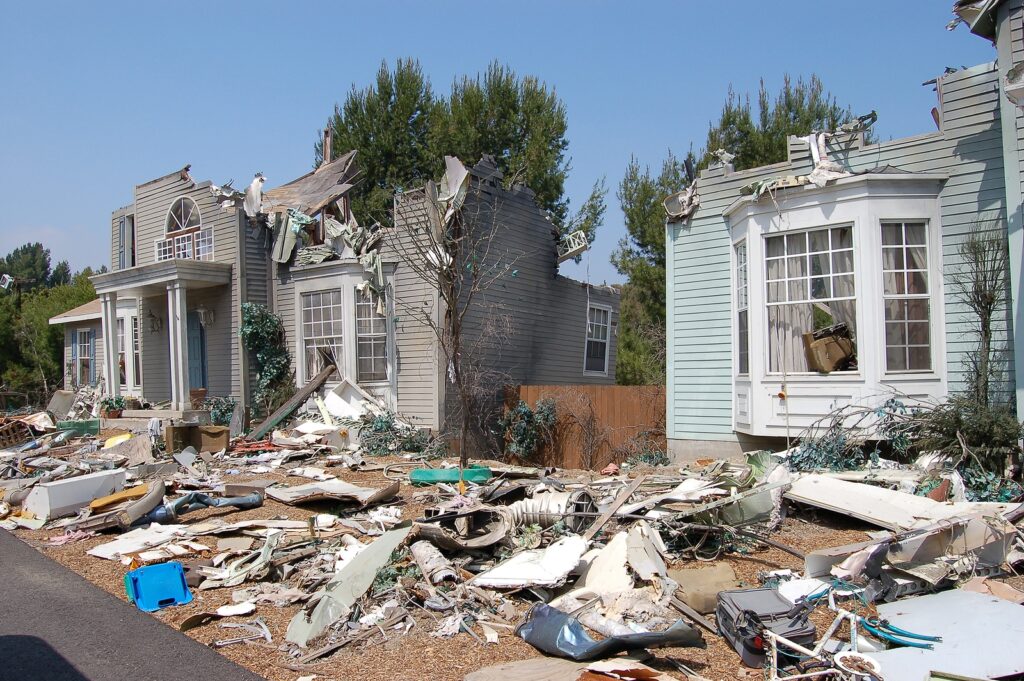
(202, 438)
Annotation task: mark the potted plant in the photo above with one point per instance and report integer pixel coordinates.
(112, 407)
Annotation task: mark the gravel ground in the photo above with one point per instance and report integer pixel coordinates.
(417, 654)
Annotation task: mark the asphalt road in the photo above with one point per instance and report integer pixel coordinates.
(54, 625)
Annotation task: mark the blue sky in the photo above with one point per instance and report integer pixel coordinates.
(99, 97)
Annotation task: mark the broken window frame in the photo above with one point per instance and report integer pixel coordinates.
(786, 286)
(374, 337)
(594, 326)
(313, 338)
(901, 297)
(742, 288)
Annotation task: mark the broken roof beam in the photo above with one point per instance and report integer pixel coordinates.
(286, 409)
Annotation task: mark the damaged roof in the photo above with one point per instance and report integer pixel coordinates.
(314, 190)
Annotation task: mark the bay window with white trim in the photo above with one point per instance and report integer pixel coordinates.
(742, 309)
(810, 286)
(906, 296)
(322, 328)
(371, 338)
(850, 274)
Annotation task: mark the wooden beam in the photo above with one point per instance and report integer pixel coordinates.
(623, 497)
(286, 409)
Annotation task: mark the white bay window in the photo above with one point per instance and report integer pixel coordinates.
(836, 299)
(810, 287)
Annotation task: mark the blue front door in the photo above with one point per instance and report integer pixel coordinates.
(196, 352)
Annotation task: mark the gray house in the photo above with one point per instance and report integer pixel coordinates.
(187, 254)
(855, 243)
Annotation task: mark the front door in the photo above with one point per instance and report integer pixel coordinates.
(196, 352)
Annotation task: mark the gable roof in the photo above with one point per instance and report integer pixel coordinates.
(88, 311)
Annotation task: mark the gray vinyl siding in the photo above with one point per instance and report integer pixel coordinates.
(968, 149)
(156, 352)
(257, 290)
(284, 307)
(547, 313)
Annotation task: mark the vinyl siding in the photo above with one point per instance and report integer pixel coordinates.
(156, 353)
(968, 149)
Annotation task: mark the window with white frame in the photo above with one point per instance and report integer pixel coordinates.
(598, 325)
(136, 353)
(742, 309)
(810, 287)
(321, 328)
(183, 215)
(906, 296)
(371, 338)
(122, 366)
(83, 357)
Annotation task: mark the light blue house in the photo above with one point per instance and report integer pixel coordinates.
(861, 236)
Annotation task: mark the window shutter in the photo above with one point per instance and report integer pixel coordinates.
(92, 357)
(74, 358)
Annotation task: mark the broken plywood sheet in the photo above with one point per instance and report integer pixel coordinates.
(879, 506)
(332, 490)
(989, 650)
(546, 567)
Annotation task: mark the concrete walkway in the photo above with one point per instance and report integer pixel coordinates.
(55, 625)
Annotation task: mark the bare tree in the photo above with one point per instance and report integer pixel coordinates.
(451, 246)
(981, 285)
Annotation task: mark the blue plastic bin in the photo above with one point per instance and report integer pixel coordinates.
(157, 586)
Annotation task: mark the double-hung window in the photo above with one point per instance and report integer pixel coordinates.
(906, 297)
(810, 286)
(83, 361)
(321, 328)
(742, 309)
(598, 324)
(371, 338)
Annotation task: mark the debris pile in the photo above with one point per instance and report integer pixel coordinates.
(339, 531)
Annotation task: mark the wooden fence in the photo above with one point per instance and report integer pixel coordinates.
(597, 424)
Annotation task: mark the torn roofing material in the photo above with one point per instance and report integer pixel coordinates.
(314, 190)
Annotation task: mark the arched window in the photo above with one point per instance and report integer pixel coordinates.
(183, 215)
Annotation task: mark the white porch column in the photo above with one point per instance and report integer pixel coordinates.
(177, 330)
(108, 320)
